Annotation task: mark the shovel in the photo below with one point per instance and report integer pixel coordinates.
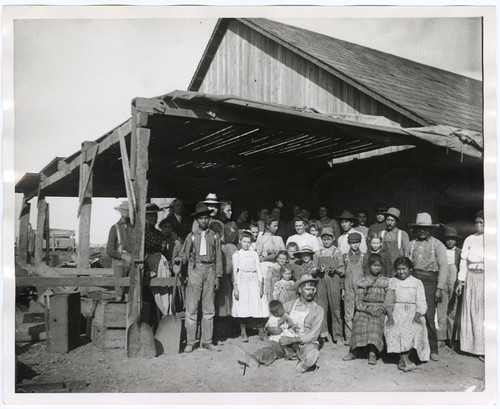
(140, 338)
(168, 335)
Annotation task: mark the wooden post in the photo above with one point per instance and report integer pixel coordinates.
(85, 205)
(141, 189)
(24, 222)
(46, 233)
(40, 229)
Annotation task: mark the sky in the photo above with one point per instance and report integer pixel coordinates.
(74, 79)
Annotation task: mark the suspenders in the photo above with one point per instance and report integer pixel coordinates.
(382, 234)
(433, 251)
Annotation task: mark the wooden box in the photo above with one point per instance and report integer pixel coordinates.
(111, 314)
(110, 322)
(64, 325)
(103, 337)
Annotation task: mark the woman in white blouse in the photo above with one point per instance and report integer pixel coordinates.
(471, 285)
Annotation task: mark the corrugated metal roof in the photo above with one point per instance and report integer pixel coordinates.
(426, 94)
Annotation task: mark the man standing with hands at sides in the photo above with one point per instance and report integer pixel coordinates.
(395, 242)
(202, 252)
(429, 259)
(119, 246)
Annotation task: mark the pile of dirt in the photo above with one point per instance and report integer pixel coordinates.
(200, 371)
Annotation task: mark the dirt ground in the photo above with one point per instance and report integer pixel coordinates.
(202, 371)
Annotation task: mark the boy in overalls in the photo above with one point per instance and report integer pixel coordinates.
(353, 262)
(329, 270)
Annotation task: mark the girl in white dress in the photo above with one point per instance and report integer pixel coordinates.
(406, 329)
(248, 292)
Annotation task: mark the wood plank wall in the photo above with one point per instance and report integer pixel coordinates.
(252, 66)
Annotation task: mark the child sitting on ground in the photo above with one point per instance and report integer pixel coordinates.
(274, 272)
(372, 305)
(280, 325)
(284, 289)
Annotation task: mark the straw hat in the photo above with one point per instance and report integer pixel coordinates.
(201, 209)
(211, 199)
(393, 212)
(305, 249)
(451, 232)
(423, 220)
(306, 278)
(123, 206)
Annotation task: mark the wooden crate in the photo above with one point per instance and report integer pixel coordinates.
(111, 314)
(103, 337)
(109, 324)
(63, 321)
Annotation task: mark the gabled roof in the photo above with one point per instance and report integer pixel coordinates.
(428, 95)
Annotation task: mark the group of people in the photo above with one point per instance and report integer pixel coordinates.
(379, 290)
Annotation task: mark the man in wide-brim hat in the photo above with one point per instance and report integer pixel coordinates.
(347, 220)
(395, 242)
(202, 252)
(119, 246)
(428, 256)
(308, 316)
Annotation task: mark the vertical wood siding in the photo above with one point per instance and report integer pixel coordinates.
(249, 65)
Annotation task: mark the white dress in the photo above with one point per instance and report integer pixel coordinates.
(248, 277)
(406, 334)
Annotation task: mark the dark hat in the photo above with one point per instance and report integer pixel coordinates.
(354, 238)
(347, 215)
(451, 232)
(152, 208)
(423, 220)
(393, 212)
(201, 209)
(306, 278)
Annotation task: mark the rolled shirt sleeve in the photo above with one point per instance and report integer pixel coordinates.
(442, 261)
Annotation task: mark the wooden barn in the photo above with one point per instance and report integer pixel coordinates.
(276, 112)
(267, 61)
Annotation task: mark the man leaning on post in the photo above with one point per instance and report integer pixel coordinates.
(202, 252)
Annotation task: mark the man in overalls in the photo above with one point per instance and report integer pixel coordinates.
(429, 259)
(307, 317)
(119, 246)
(395, 242)
(202, 251)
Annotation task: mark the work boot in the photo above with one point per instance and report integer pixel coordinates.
(309, 360)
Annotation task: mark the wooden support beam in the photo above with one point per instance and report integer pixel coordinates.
(68, 271)
(46, 232)
(140, 184)
(40, 229)
(24, 222)
(69, 281)
(87, 158)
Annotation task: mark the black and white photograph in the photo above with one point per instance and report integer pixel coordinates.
(210, 200)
